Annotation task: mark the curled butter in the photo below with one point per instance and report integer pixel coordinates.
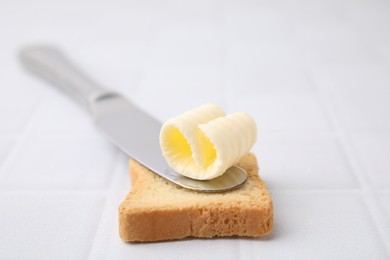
(203, 143)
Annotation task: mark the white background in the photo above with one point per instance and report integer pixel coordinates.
(314, 74)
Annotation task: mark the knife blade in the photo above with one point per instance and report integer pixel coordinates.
(124, 124)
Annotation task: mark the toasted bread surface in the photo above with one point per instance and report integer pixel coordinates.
(156, 209)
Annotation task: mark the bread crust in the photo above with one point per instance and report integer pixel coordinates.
(156, 209)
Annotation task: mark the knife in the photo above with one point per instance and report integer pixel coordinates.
(125, 125)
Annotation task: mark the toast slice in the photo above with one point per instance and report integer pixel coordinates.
(156, 209)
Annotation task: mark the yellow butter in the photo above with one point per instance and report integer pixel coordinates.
(203, 143)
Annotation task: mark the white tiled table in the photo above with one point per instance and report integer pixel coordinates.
(314, 74)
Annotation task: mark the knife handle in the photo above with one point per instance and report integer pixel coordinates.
(51, 63)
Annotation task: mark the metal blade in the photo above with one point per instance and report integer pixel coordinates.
(137, 134)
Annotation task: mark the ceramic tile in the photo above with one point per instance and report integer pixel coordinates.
(318, 13)
(384, 48)
(386, 203)
(372, 20)
(121, 176)
(229, 248)
(61, 113)
(178, 12)
(255, 23)
(164, 92)
(17, 104)
(73, 162)
(15, 118)
(117, 67)
(47, 225)
(373, 151)
(107, 233)
(334, 45)
(264, 67)
(304, 162)
(5, 147)
(136, 24)
(281, 62)
(282, 113)
(360, 78)
(362, 111)
(385, 199)
(319, 225)
(190, 44)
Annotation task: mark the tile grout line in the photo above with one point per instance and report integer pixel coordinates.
(370, 195)
(366, 190)
(22, 138)
(110, 193)
(20, 141)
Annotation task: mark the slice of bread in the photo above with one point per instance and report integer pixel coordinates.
(156, 209)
